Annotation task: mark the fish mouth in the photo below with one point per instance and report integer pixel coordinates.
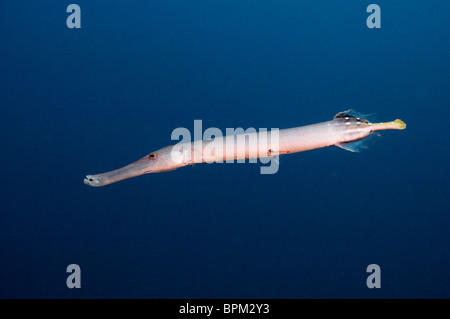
(92, 180)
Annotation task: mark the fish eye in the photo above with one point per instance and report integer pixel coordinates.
(152, 156)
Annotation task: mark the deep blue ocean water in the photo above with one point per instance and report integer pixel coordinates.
(85, 101)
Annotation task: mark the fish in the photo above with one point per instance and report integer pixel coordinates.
(345, 130)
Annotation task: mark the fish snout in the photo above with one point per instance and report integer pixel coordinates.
(92, 180)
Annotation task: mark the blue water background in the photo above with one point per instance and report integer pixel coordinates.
(85, 101)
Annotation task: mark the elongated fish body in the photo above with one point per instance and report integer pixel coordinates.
(343, 131)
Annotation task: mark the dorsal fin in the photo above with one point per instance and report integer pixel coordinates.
(351, 113)
(342, 115)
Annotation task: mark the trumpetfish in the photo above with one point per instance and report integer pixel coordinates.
(344, 130)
